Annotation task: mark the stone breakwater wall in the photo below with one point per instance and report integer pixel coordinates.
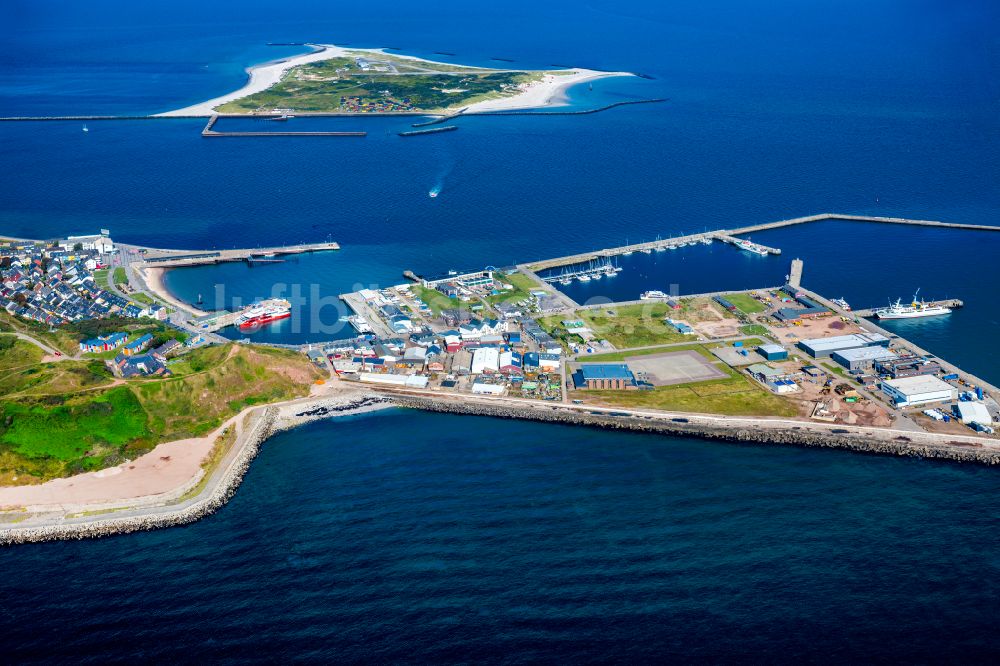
(218, 491)
(788, 435)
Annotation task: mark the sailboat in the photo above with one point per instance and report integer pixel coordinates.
(85, 129)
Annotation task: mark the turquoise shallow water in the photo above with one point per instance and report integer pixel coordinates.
(408, 536)
(415, 537)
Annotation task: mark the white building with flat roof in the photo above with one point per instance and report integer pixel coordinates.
(974, 412)
(918, 390)
(485, 359)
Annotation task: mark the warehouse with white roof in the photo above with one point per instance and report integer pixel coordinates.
(918, 390)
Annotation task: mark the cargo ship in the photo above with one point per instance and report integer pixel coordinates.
(262, 313)
(913, 309)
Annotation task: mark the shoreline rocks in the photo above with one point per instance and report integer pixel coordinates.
(276, 419)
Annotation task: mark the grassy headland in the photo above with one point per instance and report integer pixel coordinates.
(58, 419)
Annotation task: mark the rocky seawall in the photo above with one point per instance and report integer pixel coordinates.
(219, 489)
(277, 418)
(901, 445)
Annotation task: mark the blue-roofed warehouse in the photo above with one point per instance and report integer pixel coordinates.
(615, 376)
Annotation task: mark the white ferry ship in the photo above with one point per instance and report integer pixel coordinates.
(652, 295)
(264, 313)
(911, 310)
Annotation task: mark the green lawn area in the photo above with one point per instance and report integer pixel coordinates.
(119, 276)
(754, 329)
(437, 301)
(834, 368)
(745, 303)
(735, 395)
(57, 424)
(522, 286)
(638, 325)
(101, 278)
(86, 427)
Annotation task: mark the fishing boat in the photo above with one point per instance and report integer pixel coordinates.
(915, 308)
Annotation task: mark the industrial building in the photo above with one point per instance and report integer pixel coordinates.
(468, 279)
(862, 359)
(973, 412)
(810, 309)
(919, 390)
(614, 376)
(824, 347)
(907, 366)
(773, 352)
(485, 359)
(772, 378)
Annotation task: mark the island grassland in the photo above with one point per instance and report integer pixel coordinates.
(366, 82)
(62, 418)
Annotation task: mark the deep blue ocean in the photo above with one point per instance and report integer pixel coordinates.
(418, 537)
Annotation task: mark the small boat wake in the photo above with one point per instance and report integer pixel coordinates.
(436, 190)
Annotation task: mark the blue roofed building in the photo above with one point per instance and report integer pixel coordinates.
(605, 376)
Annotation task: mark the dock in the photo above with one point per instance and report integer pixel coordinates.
(952, 303)
(732, 235)
(177, 258)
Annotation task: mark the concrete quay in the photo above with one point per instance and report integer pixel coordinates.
(952, 303)
(730, 236)
(161, 258)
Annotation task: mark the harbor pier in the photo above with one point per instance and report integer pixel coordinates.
(177, 258)
(732, 236)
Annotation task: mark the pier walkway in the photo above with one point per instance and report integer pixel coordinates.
(175, 258)
(730, 236)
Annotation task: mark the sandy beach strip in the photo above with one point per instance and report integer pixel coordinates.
(153, 279)
(171, 467)
(550, 91)
(260, 78)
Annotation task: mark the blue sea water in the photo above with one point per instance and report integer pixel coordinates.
(418, 537)
(499, 541)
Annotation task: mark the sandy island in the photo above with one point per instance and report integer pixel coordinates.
(549, 91)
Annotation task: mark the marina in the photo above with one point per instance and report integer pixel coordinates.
(731, 236)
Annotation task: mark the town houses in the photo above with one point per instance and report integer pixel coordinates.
(55, 283)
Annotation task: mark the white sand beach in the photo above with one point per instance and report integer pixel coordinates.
(261, 77)
(153, 278)
(550, 91)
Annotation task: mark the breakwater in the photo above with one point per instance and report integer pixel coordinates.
(209, 131)
(156, 518)
(431, 130)
(729, 235)
(277, 418)
(220, 488)
(899, 445)
(582, 112)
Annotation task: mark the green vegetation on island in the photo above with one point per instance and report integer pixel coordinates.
(368, 82)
